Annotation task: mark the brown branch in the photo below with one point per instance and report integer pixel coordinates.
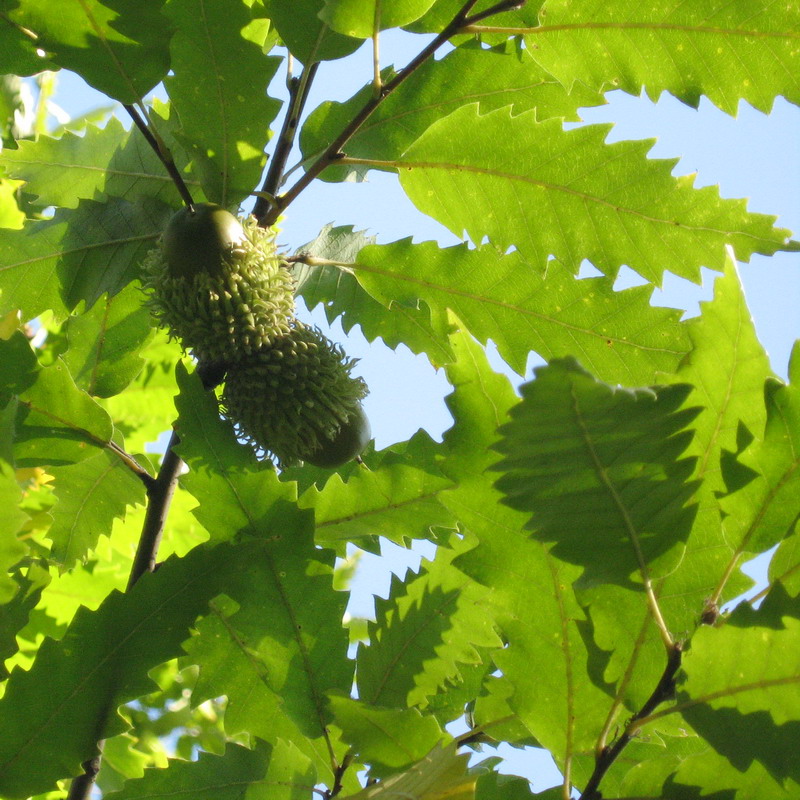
(334, 150)
(298, 94)
(663, 691)
(162, 152)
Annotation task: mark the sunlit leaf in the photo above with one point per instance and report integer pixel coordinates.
(360, 19)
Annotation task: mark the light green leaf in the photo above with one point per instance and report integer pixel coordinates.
(77, 255)
(468, 74)
(12, 549)
(234, 489)
(361, 19)
(602, 471)
(218, 92)
(522, 308)
(56, 423)
(547, 191)
(441, 775)
(443, 11)
(10, 215)
(211, 777)
(343, 297)
(53, 714)
(104, 343)
(99, 161)
(17, 604)
(741, 686)
(727, 51)
(386, 738)
(90, 496)
(396, 500)
(119, 47)
(308, 38)
(426, 632)
(765, 510)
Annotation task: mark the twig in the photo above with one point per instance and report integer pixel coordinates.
(338, 775)
(133, 465)
(663, 691)
(334, 150)
(298, 94)
(162, 151)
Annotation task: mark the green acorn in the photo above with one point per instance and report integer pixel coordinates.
(219, 285)
(297, 400)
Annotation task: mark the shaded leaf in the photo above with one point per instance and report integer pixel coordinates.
(218, 92)
(117, 46)
(522, 308)
(360, 19)
(343, 297)
(12, 549)
(53, 714)
(441, 775)
(468, 74)
(386, 738)
(396, 500)
(78, 255)
(91, 495)
(601, 470)
(104, 343)
(725, 50)
(56, 423)
(566, 193)
(15, 610)
(98, 161)
(308, 38)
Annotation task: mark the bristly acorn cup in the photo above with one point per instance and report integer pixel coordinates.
(219, 286)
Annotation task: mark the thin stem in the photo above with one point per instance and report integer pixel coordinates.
(338, 775)
(377, 84)
(81, 787)
(162, 151)
(298, 94)
(333, 151)
(663, 691)
(133, 465)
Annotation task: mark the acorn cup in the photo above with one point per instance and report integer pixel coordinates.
(297, 400)
(219, 285)
(220, 288)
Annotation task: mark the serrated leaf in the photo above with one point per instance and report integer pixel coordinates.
(15, 611)
(77, 255)
(90, 496)
(727, 51)
(99, 161)
(234, 488)
(56, 423)
(547, 191)
(467, 75)
(765, 510)
(308, 38)
(523, 308)
(601, 469)
(441, 775)
(426, 631)
(12, 549)
(218, 91)
(211, 777)
(53, 714)
(397, 500)
(117, 46)
(343, 297)
(740, 694)
(104, 343)
(386, 738)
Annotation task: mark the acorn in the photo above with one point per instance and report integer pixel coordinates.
(296, 400)
(218, 284)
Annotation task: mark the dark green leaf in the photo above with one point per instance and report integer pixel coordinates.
(78, 255)
(218, 93)
(118, 46)
(305, 34)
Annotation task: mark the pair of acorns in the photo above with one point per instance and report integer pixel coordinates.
(223, 291)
